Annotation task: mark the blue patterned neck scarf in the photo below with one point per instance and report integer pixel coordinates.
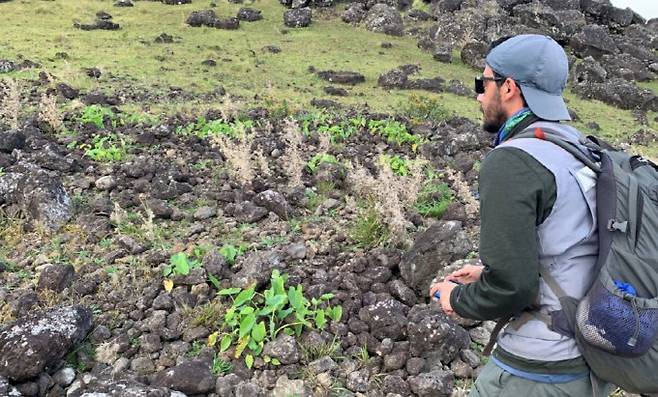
(512, 122)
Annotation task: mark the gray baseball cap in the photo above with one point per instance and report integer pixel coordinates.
(540, 67)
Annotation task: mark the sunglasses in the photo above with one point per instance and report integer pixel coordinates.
(479, 82)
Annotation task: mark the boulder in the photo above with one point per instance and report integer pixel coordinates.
(257, 268)
(437, 383)
(284, 348)
(354, 13)
(594, 41)
(382, 18)
(342, 77)
(249, 14)
(433, 335)
(386, 318)
(41, 197)
(618, 92)
(437, 247)
(298, 18)
(473, 54)
(192, 377)
(38, 341)
(201, 18)
(56, 277)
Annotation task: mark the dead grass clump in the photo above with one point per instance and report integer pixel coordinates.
(237, 153)
(471, 205)
(48, 112)
(11, 102)
(390, 194)
(293, 163)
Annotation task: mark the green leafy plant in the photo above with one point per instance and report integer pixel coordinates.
(394, 132)
(255, 318)
(180, 265)
(96, 114)
(230, 252)
(318, 159)
(434, 199)
(2, 171)
(203, 128)
(398, 165)
(106, 148)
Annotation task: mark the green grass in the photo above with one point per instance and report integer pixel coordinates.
(130, 59)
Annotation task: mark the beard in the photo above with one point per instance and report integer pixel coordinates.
(494, 117)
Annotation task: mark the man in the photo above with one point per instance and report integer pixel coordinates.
(538, 215)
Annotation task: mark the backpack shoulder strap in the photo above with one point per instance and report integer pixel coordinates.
(553, 136)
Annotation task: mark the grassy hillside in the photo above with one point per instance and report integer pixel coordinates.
(130, 59)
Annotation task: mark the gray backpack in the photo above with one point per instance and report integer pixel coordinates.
(616, 323)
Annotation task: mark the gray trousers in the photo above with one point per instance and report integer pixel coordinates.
(495, 382)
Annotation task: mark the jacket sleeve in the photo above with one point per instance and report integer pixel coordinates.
(516, 194)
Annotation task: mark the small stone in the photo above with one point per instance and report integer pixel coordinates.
(64, 377)
(296, 251)
(106, 183)
(415, 365)
(358, 381)
(324, 364)
(205, 213)
(142, 365)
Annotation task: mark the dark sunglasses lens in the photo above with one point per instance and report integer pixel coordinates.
(479, 85)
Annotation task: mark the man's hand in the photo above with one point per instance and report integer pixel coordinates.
(445, 289)
(466, 275)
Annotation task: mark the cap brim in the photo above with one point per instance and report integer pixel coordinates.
(544, 105)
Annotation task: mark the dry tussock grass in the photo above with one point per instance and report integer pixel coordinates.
(11, 102)
(237, 153)
(391, 193)
(472, 207)
(293, 163)
(48, 112)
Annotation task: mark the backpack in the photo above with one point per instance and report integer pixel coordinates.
(616, 324)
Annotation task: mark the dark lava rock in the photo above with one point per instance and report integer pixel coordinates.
(119, 388)
(337, 91)
(436, 383)
(33, 343)
(284, 348)
(419, 15)
(272, 49)
(124, 3)
(227, 24)
(67, 91)
(588, 70)
(298, 18)
(193, 377)
(41, 197)
(437, 247)
(618, 92)
(176, 2)
(594, 41)
(382, 18)
(97, 98)
(93, 73)
(256, 268)
(433, 335)
(354, 13)
(56, 277)
(164, 38)
(342, 77)
(324, 103)
(473, 54)
(395, 78)
(102, 15)
(209, 62)
(249, 14)
(10, 140)
(442, 53)
(7, 66)
(201, 18)
(275, 202)
(386, 318)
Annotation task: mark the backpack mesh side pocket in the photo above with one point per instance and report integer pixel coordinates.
(616, 323)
